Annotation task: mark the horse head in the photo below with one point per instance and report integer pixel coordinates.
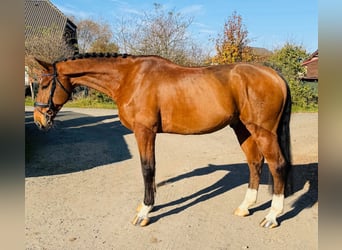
(54, 91)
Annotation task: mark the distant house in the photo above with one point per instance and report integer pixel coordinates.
(40, 15)
(311, 65)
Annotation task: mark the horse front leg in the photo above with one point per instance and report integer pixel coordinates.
(146, 143)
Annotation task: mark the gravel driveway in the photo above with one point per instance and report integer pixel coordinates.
(83, 183)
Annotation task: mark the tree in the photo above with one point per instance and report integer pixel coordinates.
(95, 36)
(232, 44)
(163, 33)
(103, 45)
(288, 61)
(45, 46)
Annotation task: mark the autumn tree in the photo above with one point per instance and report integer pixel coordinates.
(95, 36)
(232, 44)
(160, 32)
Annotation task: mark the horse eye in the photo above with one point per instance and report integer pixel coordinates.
(45, 85)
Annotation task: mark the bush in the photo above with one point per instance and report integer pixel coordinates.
(288, 62)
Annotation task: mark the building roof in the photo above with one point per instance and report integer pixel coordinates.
(42, 14)
(313, 57)
(311, 64)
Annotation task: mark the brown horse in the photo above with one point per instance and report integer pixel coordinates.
(154, 95)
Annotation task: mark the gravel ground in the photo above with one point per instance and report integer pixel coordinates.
(83, 183)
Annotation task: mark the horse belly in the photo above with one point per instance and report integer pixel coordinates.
(195, 119)
(195, 105)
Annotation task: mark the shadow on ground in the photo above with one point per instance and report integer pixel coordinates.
(77, 142)
(238, 174)
(80, 142)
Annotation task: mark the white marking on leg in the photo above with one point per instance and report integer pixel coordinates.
(249, 200)
(144, 210)
(277, 207)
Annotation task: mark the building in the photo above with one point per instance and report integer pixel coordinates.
(311, 65)
(42, 15)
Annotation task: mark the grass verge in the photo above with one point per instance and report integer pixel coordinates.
(91, 103)
(81, 103)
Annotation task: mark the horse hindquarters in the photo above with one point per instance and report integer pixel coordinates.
(265, 117)
(267, 142)
(279, 158)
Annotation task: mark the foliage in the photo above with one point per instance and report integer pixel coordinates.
(163, 33)
(82, 92)
(45, 46)
(88, 102)
(83, 96)
(103, 45)
(288, 61)
(232, 44)
(85, 102)
(166, 33)
(95, 36)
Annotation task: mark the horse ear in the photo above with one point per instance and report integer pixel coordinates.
(45, 65)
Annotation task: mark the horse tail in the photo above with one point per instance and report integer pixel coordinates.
(284, 141)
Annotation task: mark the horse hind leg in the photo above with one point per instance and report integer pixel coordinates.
(255, 162)
(267, 142)
(141, 218)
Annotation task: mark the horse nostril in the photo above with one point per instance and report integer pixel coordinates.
(38, 124)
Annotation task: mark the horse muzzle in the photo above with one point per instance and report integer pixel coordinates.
(44, 127)
(44, 121)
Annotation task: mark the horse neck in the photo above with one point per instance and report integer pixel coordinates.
(103, 74)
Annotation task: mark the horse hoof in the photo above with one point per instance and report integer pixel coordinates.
(268, 223)
(139, 221)
(139, 207)
(241, 212)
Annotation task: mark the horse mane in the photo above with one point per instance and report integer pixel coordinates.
(93, 55)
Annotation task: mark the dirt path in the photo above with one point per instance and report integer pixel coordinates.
(83, 183)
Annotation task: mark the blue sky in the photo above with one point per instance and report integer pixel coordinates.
(270, 23)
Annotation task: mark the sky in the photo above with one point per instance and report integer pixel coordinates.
(270, 23)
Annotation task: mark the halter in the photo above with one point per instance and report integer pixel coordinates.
(52, 108)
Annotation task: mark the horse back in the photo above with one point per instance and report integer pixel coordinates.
(184, 100)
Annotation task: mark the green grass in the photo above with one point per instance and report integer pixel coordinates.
(28, 101)
(91, 103)
(81, 103)
(311, 108)
(296, 109)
